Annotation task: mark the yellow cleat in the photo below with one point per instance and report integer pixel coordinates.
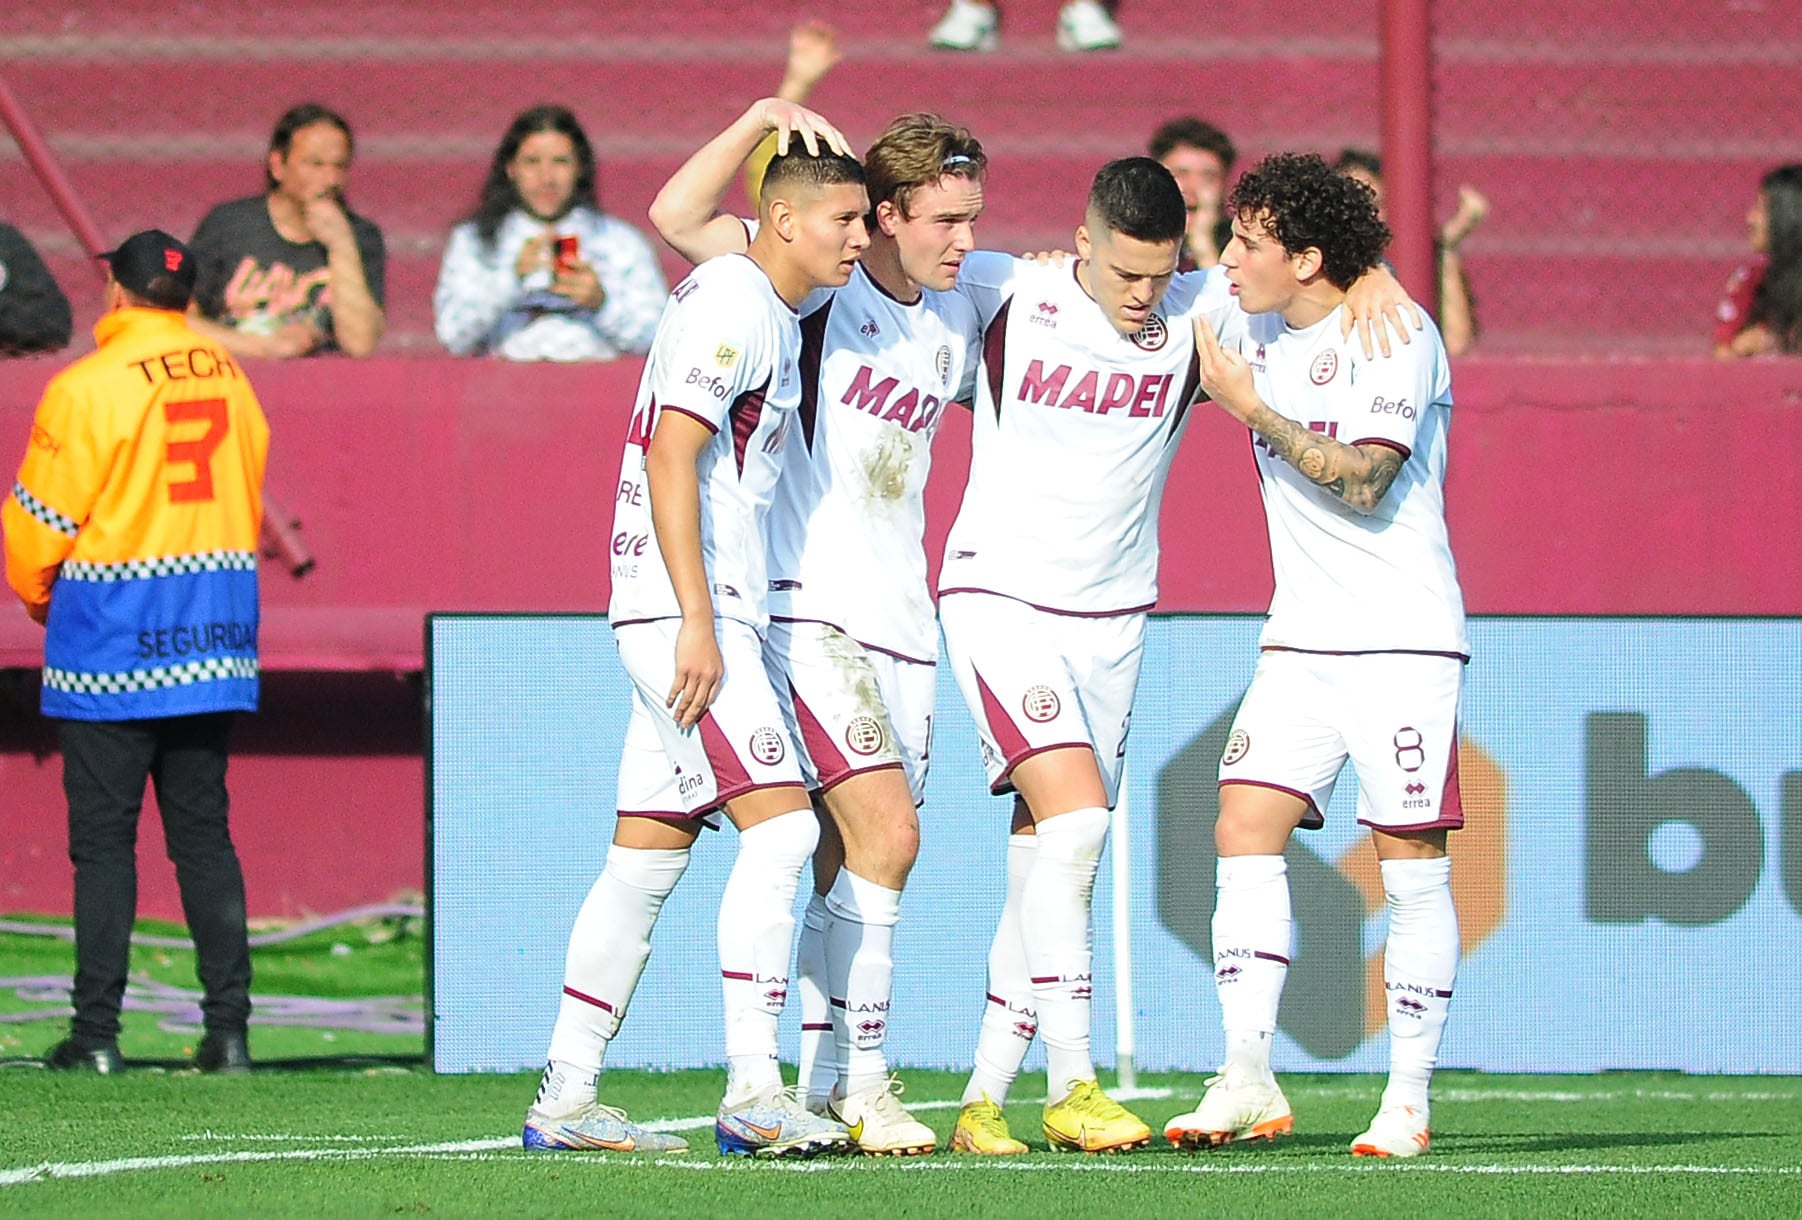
(1088, 1120)
(982, 1129)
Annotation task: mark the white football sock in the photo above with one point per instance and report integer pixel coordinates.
(1420, 963)
(1009, 1017)
(756, 941)
(1251, 930)
(608, 947)
(1054, 918)
(817, 1072)
(860, 967)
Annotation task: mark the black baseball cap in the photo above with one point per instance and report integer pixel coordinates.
(154, 267)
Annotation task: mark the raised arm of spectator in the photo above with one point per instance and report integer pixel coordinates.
(1457, 319)
(686, 211)
(1457, 324)
(34, 313)
(812, 53)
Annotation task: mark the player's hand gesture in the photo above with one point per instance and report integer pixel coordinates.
(1374, 305)
(1225, 375)
(699, 671)
(788, 121)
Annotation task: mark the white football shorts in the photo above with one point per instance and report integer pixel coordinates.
(1394, 715)
(741, 743)
(837, 701)
(1035, 681)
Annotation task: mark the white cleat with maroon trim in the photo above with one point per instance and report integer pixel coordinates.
(1399, 1131)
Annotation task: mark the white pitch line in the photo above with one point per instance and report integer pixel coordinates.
(485, 1149)
(94, 1169)
(998, 1165)
(91, 1169)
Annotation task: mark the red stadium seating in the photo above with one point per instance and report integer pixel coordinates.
(1619, 146)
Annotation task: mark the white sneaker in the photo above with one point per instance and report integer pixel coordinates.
(1398, 1131)
(968, 25)
(1231, 1111)
(776, 1124)
(880, 1125)
(1084, 25)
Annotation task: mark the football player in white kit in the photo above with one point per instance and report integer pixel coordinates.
(1087, 372)
(716, 409)
(853, 638)
(1363, 654)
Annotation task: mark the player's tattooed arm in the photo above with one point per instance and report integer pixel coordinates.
(1360, 475)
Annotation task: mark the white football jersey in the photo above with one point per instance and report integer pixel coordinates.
(1075, 428)
(1346, 582)
(726, 352)
(847, 530)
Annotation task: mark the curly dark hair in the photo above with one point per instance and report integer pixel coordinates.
(500, 196)
(1302, 201)
(1777, 303)
(1137, 196)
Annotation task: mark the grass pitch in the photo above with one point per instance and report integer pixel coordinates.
(353, 1125)
(394, 1141)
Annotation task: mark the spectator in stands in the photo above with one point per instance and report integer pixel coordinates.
(1761, 311)
(293, 271)
(538, 272)
(131, 536)
(812, 52)
(1457, 307)
(34, 313)
(975, 25)
(1200, 157)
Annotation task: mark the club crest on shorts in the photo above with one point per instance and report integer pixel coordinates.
(767, 747)
(864, 735)
(1040, 703)
(1325, 366)
(1237, 747)
(1153, 335)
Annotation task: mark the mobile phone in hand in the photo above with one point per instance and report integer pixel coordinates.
(568, 254)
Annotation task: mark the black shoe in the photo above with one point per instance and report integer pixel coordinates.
(225, 1051)
(72, 1056)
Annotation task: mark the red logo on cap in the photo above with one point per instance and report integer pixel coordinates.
(172, 260)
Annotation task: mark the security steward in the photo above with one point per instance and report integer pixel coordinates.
(131, 535)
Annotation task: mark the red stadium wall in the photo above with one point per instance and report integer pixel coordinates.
(1605, 487)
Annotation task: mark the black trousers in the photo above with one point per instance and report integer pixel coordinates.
(105, 766)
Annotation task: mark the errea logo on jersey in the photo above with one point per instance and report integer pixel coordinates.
(1045, 315)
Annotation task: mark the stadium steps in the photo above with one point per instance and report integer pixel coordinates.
(1613, 152)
